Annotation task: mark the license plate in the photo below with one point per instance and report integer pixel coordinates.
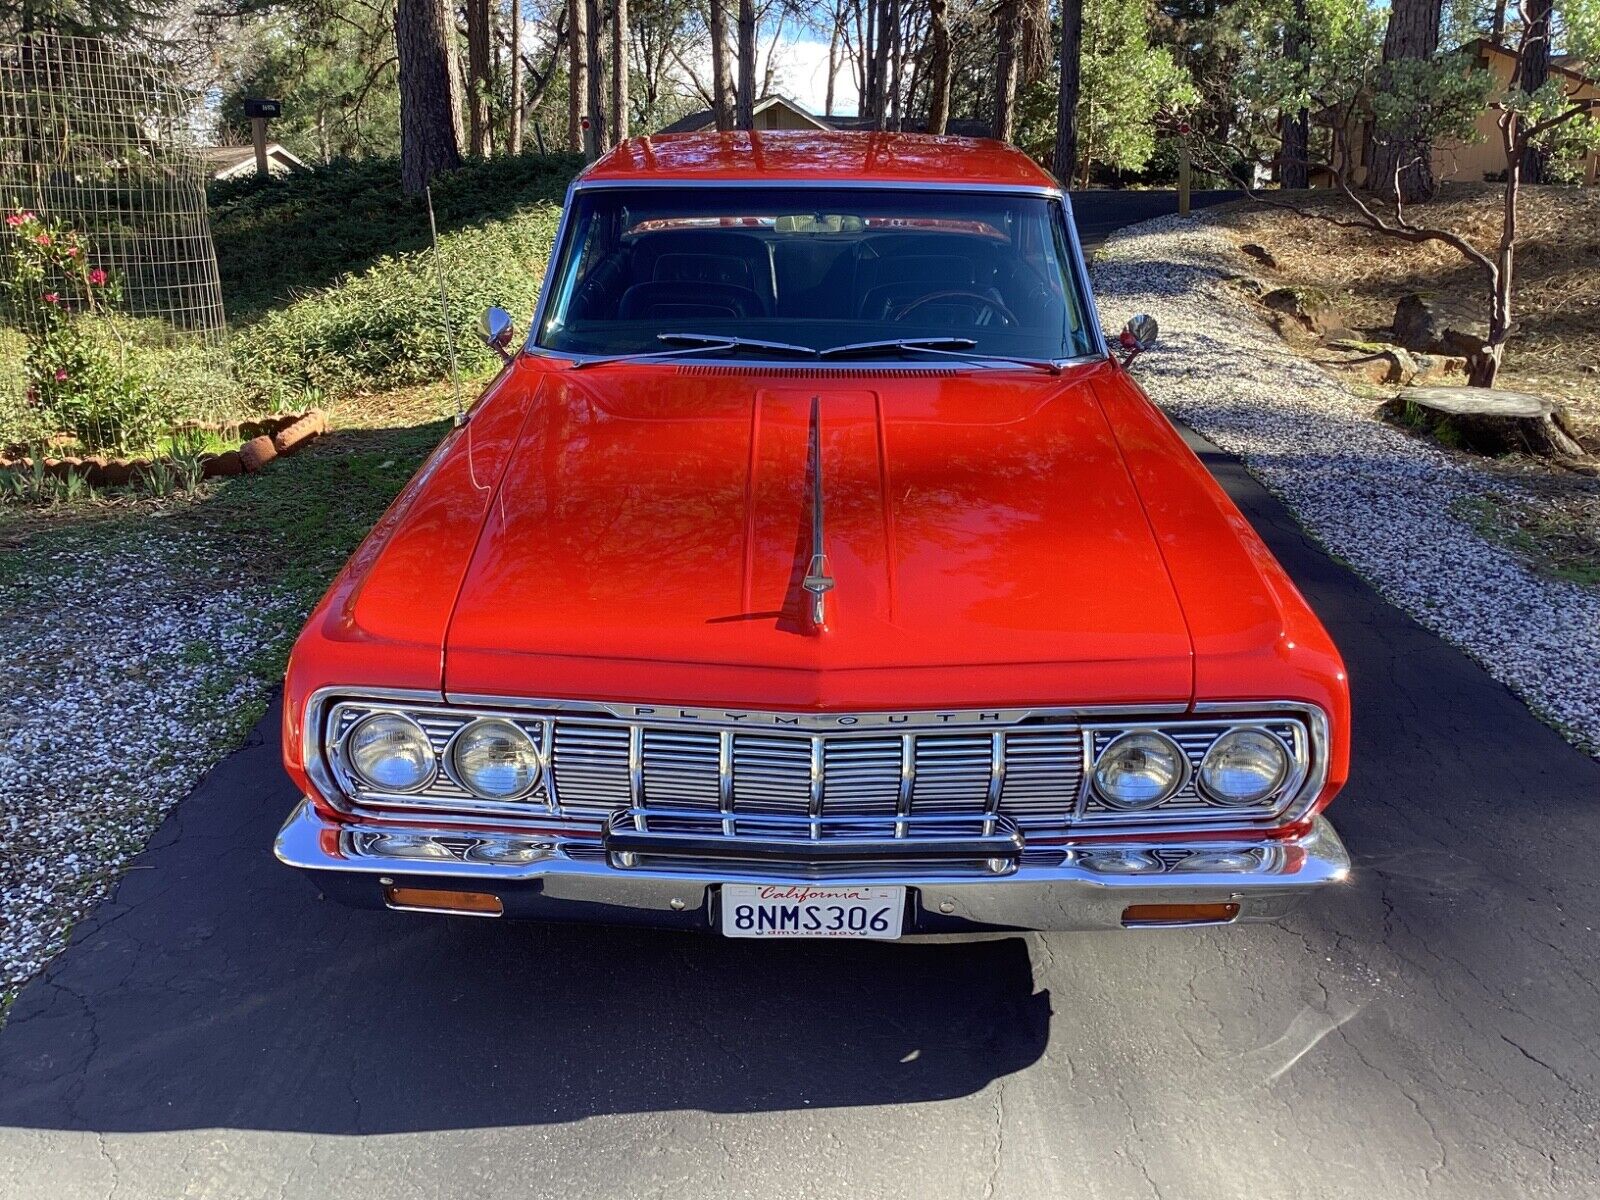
(805, 911)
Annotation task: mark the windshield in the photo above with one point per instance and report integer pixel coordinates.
(816, 268)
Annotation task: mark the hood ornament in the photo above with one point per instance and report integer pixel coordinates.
(817, 580)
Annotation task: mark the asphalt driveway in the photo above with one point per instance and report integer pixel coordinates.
(1433, 1028)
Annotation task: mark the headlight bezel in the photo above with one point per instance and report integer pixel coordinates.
(344, 757)
(1184, 772)
(1300, 727)
(452, 771)
(1209, 792)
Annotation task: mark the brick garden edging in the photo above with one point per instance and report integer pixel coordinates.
(264, 439)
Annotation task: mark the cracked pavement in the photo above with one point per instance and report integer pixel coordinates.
(1433, 1028)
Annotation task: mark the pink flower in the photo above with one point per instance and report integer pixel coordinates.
(43, 239)
(52, 298)
(14, 220)
(61, 376)
(72, 252)
(97, 277)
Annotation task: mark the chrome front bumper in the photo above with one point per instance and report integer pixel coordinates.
(1088, 888)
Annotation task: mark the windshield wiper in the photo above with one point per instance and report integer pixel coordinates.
(953, 347)
(700, 343)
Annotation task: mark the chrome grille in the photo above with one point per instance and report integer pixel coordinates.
(955, 780)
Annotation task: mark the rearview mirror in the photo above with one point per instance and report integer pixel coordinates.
(496, 330)
(1138, 335)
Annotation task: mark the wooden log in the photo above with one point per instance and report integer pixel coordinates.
(1491, 421)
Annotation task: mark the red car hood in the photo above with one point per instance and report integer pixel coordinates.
(649, 536)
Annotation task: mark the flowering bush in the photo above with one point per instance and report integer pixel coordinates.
(76, 372)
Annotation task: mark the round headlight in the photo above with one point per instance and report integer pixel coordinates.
(1139, 770)
(495, 760)
(1244, 766)
(390, 753)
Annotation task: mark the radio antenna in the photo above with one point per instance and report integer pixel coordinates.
(444, 308)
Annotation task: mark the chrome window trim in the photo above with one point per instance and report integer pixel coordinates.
(1099, 352)
(1297, 795)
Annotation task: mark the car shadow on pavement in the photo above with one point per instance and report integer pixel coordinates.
(216, 989)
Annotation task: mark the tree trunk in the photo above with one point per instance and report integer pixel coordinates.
(1066, 156)
(1533, 69)
(896, 57)
(1413, 33)
(430, 92)
(595, 78)
(1005, 73)
(745, 118)
(940, 69)
(833, 68)
(1294, 169)
(578, 76)
(619, 71)
(721, 83)
(878, 40)
(1497, 24)
(514, 132)
(480, 79)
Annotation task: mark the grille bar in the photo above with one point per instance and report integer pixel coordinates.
(898, 784)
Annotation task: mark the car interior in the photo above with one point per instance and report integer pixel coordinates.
(953, 280)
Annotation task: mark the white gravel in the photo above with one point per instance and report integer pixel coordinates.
(122, 681)
(1377, 497)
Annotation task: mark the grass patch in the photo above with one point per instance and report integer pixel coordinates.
(1559, 541)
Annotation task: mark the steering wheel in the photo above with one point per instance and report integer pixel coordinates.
(983, 307)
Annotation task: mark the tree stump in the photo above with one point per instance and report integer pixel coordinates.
(1489, 421)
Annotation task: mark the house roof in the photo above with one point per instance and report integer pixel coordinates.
(822, 156)
(704, 118)
(697, 122)
(1570, 65)
(225, 162)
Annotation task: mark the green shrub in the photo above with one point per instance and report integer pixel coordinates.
(382, 327)
(279, 238)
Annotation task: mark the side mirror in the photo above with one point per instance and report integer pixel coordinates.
(1138, 335)
(496, 330)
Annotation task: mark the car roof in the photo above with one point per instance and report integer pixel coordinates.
(816, 156)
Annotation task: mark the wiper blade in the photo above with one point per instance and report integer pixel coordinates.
(952, 347)
(890, 345)
(699, 343)
(720, 341)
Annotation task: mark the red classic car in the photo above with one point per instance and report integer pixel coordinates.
(815, 568)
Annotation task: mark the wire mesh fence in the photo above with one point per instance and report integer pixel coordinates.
(98, 159)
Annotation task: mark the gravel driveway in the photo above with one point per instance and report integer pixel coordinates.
(123, 680)
(1375, 496)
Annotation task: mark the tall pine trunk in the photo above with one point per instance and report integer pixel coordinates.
(514, 132)
(939, 69)
(1533, 70)
(480, 78)
(1009, 18)
(595, 78)
(1294, 171)
(745, 117)
(578, 76)
(1403, 152)
(721, 70)
(619, 70)
(430, 92)
(1066, 156)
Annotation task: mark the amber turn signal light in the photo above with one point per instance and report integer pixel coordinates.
(1179, 914)
(478, 904)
